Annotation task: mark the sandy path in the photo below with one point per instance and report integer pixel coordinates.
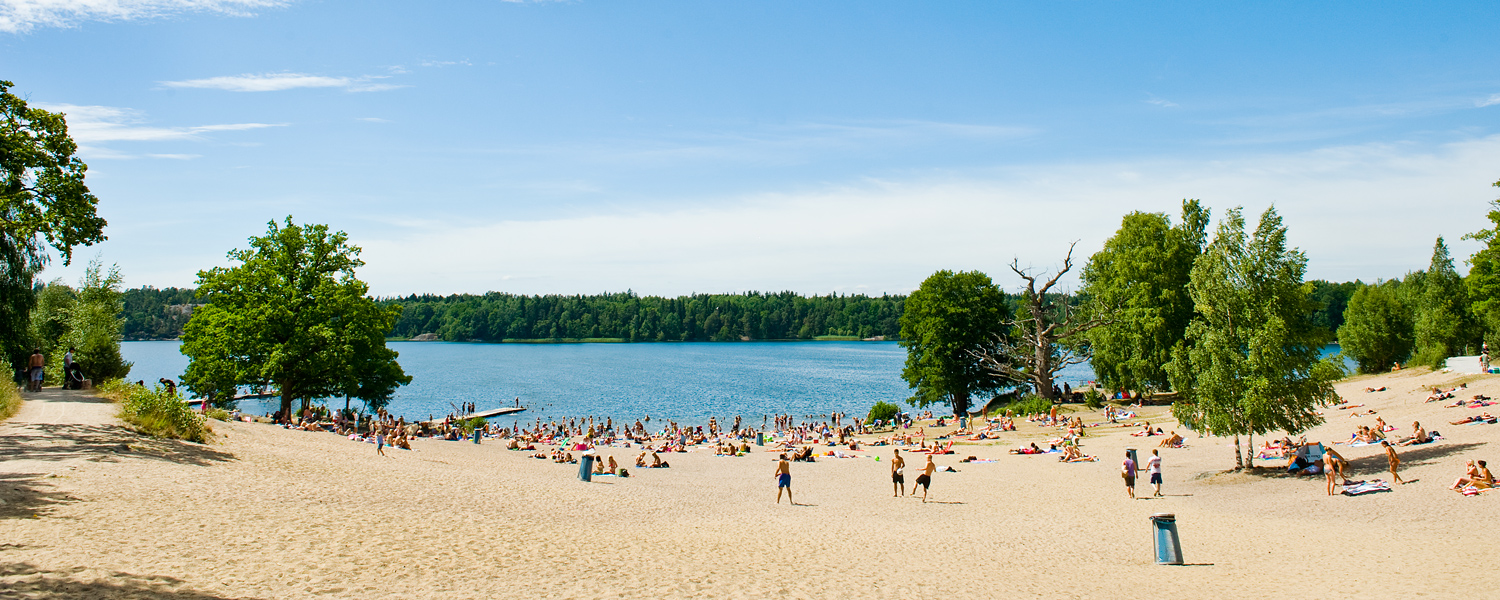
(271, 513)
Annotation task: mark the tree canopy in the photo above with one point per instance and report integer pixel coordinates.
(42, 198)
(1140, 278)
(949, 321)
(1377, 329)
(1444, 324)
(291, 315)
(1250, 360)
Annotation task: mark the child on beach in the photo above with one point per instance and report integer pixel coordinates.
(1395, 461)
(380, 443)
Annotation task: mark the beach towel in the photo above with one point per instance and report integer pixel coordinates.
(1367, 487)
(1358, 444)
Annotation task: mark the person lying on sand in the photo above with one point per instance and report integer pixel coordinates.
(1372, 389)
(1032, 449)
(1476, 418)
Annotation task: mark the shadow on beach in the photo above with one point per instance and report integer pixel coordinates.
(100, 443)
(1412, 456)
(26, 495)
(24, 580)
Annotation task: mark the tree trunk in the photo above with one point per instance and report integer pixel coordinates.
(961, 404)
(1250, 451)
(286, 405)
(1239, 460)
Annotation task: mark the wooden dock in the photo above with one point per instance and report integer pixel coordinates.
(485, 414)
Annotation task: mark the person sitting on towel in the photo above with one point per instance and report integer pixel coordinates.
(1172, 441)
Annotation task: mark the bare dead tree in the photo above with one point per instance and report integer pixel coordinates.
(1043, 331)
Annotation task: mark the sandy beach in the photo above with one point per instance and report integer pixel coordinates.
(94, 511)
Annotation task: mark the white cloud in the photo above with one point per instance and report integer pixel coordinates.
(446, 63)
(1491, 101)
(19, 16)
(1366, 212)
(91, 126)
(277, 82)
(372, 119)
(1162, 103)
(176, 156)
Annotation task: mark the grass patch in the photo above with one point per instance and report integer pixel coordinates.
(10, 401)
(836, 338)
(218, 413)
(155, 413)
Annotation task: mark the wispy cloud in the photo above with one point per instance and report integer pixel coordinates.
(372, 119)
(1490, 101)
(176, 156)
(277, 82)
(1161, 102)
(19, 16)
(446, 63)
(92, 126)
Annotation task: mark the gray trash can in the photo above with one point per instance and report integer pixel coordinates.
(760, 438)
(586, 467)
(476, 435)
(1168, 546)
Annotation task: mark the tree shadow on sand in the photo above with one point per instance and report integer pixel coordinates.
(24, 495)
(23, 580)
(100, 443)
(1412, 456)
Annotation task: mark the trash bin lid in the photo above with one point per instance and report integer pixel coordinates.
(1164, 517)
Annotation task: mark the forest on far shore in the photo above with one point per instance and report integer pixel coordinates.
(159, 314)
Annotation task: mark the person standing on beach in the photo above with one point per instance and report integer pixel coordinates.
(925, 479)
(1127, 471)
(784, 479)
(1395, 461)
(1153, 466)
(379, 441)
(36, 366)
(898, 479)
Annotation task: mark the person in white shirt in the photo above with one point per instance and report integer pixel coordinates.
(1153, 466)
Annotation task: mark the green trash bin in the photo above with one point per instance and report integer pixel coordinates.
(1168, 546)
(586, 468)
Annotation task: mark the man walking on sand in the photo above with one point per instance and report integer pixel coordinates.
(898, 479)
(1395, 461)
(925, 479)
(35, 367)
(1153, 467)
(784, 479)
(1127, 471)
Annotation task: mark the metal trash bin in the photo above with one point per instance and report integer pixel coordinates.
(476, 435)
(760, 438)
(1168, 546)
(586, 467)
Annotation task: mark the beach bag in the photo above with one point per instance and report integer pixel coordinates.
(624, 473)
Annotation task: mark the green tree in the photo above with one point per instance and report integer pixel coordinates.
(291, 315)
(1483, 281)
(42, 198)
(1444, 324)
(949, 321)
(1378, 330)
(1249, 363)
(95, 326)
(1332, 300)
(1140, 278)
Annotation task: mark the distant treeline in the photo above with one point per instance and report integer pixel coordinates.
(497, 317)
(152, 313)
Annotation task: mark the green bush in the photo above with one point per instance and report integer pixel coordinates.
(884, 412)
(1030, 404)
(155, 413)
(218, 413)
(10, 401)
(1093, 399)
(469, 425)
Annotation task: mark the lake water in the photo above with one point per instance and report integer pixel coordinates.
(687, 382)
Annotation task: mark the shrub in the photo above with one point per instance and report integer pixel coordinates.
(155, 413)
(1093, 399)
(10, 401)
(469, 425)
(884, 412)
(1030, 404)
(218, 413)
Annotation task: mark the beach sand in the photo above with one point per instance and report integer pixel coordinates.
(93, 511)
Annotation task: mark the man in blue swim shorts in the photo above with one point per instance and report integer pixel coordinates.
(784, 479)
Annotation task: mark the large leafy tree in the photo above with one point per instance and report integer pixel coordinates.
(43, 201)
(1250, 360)
(1140, 278)
(1378, 329)
(291, 315)
(1444, 324)
(1483, 281)
(949, 321)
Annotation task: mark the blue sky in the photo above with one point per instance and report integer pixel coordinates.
(674, 147)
